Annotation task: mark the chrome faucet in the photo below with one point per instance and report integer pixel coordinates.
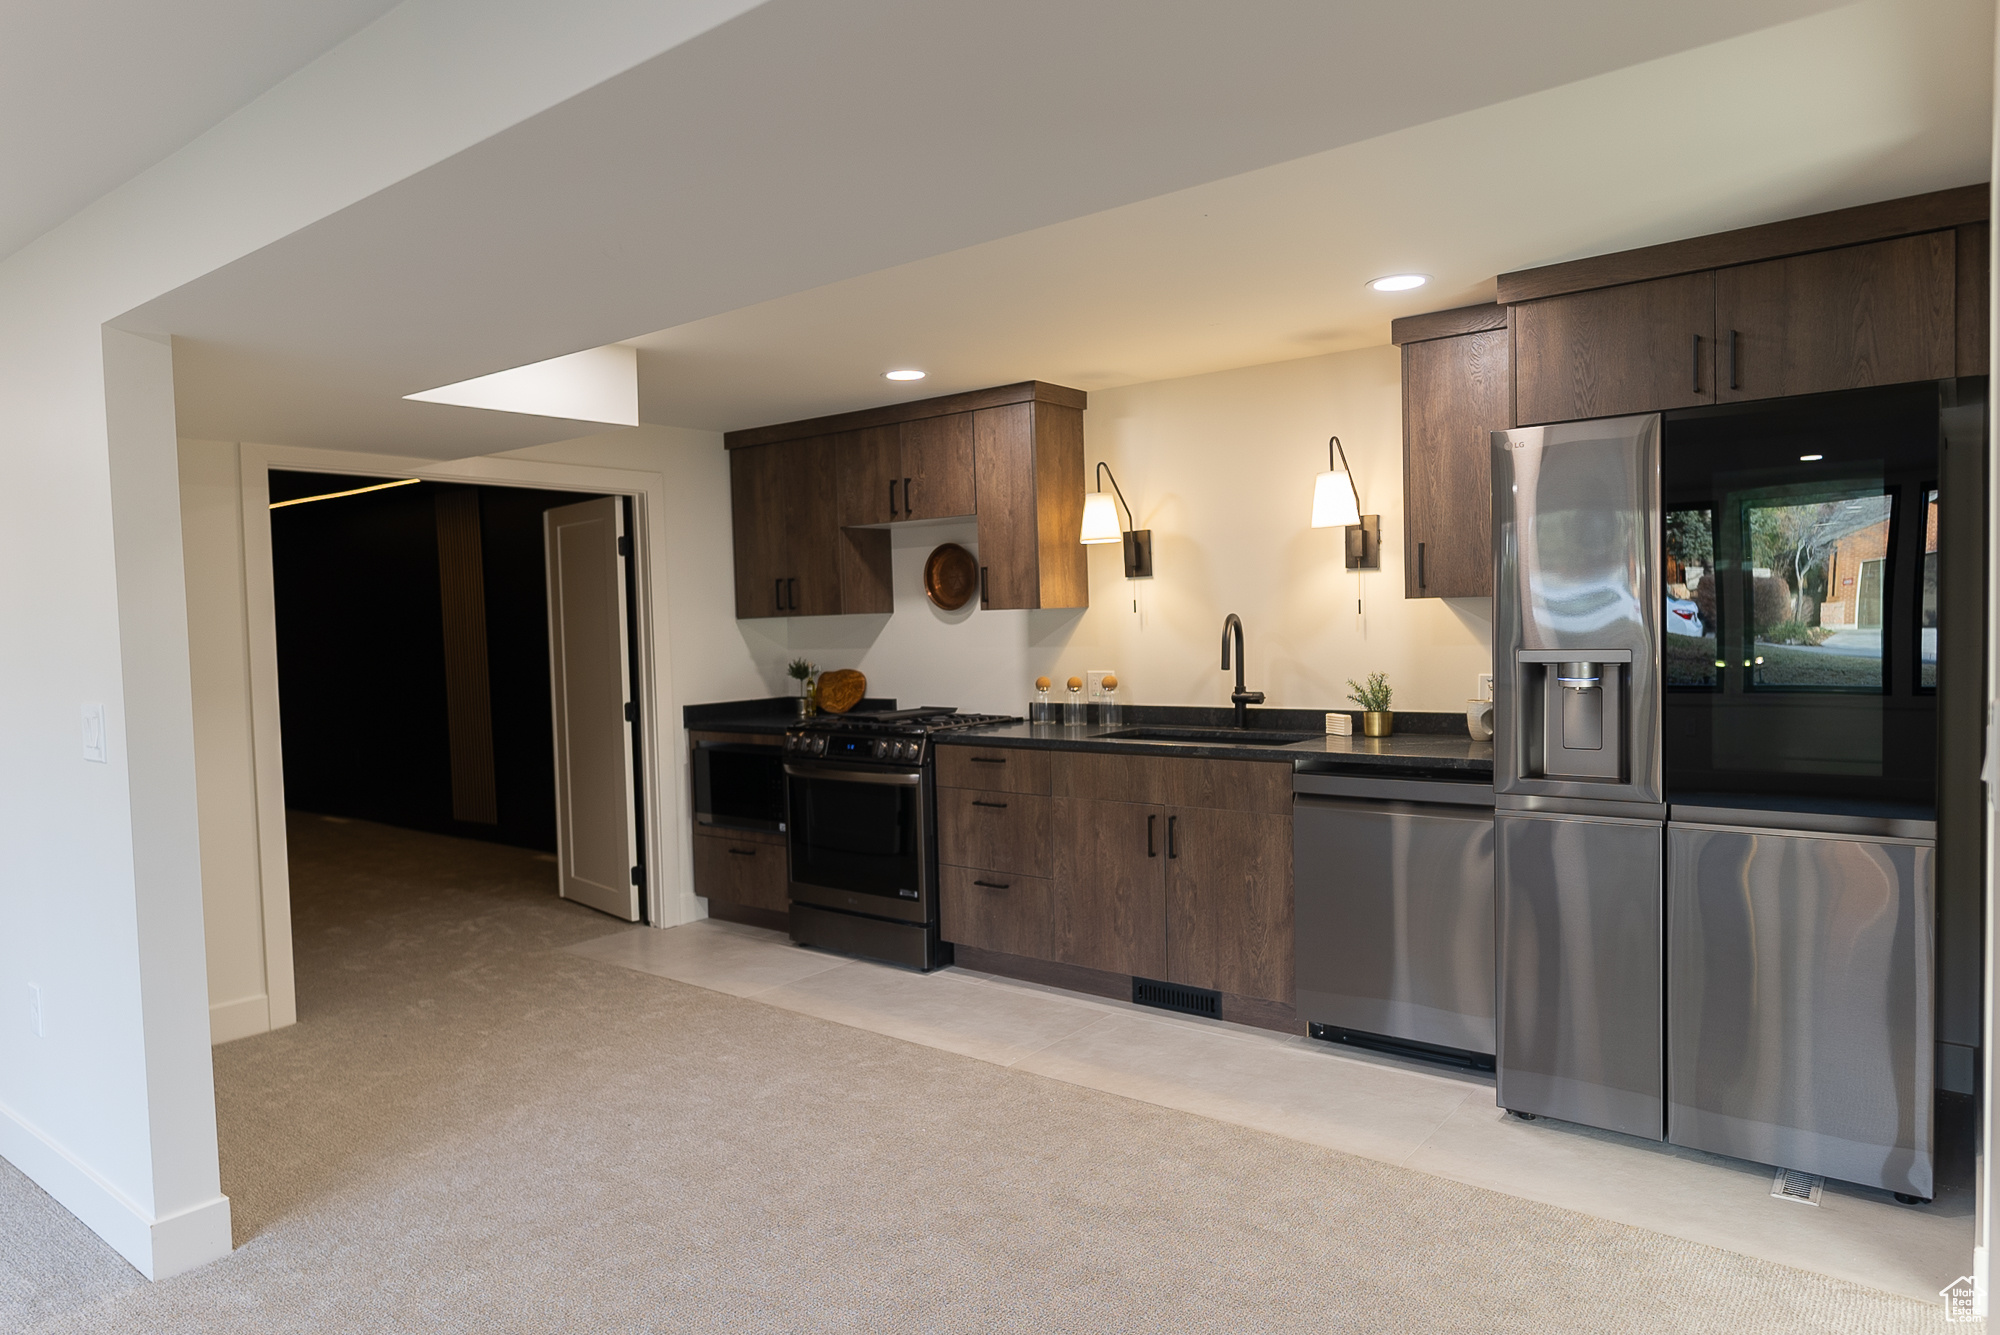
(1241, 698)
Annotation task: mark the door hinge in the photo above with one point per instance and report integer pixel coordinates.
(624, 545)
(639, 877)
(631, 711)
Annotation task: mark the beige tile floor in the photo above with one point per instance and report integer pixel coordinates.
(1434, 1121)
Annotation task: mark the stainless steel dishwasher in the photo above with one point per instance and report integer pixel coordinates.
(1393, 881)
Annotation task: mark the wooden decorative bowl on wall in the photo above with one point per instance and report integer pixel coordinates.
(841, 689)
(951, 576)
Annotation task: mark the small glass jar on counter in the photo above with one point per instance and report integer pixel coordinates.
(1073, 710)
(1109, 712)
(1040, 709)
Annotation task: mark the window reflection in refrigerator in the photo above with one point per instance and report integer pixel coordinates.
(1816, 603)
(1689, 646)
(1928, 619)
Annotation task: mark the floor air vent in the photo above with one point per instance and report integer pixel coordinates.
(1791, 1185)
(1174, 997)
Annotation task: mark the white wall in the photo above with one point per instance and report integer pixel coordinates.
(110, 1106)
(1221, 468)
(232, 887)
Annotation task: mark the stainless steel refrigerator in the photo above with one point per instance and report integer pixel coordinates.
(1579, 796)
(1717, 680)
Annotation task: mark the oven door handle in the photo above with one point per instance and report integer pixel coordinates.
(899, 778)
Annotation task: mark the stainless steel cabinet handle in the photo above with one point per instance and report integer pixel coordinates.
(997, 806)
(1173, 851)
(1151, 852)
(996, 885)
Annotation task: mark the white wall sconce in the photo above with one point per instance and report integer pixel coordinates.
(1100, 525)
(1336, 504)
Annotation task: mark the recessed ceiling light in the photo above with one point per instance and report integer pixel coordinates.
(902, 375)
(1400, 282)
(1811, 458)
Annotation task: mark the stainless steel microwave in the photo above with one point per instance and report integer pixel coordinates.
(739, 786)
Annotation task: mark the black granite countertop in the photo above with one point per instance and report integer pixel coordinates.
(1424, 744)
(1411, 754)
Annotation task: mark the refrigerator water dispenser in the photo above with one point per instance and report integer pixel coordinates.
(1573, 723)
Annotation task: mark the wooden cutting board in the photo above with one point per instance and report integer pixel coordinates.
(841, 689)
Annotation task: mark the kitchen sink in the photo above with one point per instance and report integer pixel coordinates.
(1211, 736)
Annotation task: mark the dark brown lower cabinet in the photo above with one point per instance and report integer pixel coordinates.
(996, 830)
(997, 910)
(1110, 885)
(1229, 902)
(740, 866)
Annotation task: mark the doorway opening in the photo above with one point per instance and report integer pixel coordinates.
(461, 660)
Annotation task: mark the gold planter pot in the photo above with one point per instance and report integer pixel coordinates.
(1377, 722)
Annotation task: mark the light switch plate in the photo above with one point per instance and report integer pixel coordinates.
(95, 745)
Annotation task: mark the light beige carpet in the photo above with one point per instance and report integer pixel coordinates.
(469, 1130)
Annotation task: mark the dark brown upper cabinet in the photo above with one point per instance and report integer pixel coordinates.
(792, 556)
(1879, 314)
(911, 470)
(1457, 390)
(1635, 348)
(812, 501)
(1029, 462)
(937, 467)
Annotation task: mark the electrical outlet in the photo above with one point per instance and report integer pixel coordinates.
(1486, 686)
(35, 1009)
(1093, 682)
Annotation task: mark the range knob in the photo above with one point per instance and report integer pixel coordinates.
(910, 750)
(817, 745)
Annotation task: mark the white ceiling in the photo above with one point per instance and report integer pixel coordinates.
(1094, 193)
(1864, 103)
(92, 92)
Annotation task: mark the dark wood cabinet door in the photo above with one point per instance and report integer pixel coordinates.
(938, 475)
(1879, 314)
(870, 464)
(998, 831)
(1229, 901)
(757, 518)
(1004, 462)
(1001, 911)
(1636, 348)
(1110, 886)
(1456, 393)
(741, 868)
(812, 527)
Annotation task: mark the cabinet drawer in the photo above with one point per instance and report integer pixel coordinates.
(1002, 831)
(997, 769)
(1002, 911)
(740, 868)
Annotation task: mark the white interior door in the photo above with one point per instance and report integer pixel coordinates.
(590, 677)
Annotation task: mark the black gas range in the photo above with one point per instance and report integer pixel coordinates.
(862, 832)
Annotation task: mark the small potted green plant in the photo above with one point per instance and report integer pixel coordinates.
(807, 676)
(1374, 698)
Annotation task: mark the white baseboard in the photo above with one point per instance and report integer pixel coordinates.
(157, 1248)
(239, 1018)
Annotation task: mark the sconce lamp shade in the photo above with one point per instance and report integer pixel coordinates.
(1334, 503)
(1100, 519)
